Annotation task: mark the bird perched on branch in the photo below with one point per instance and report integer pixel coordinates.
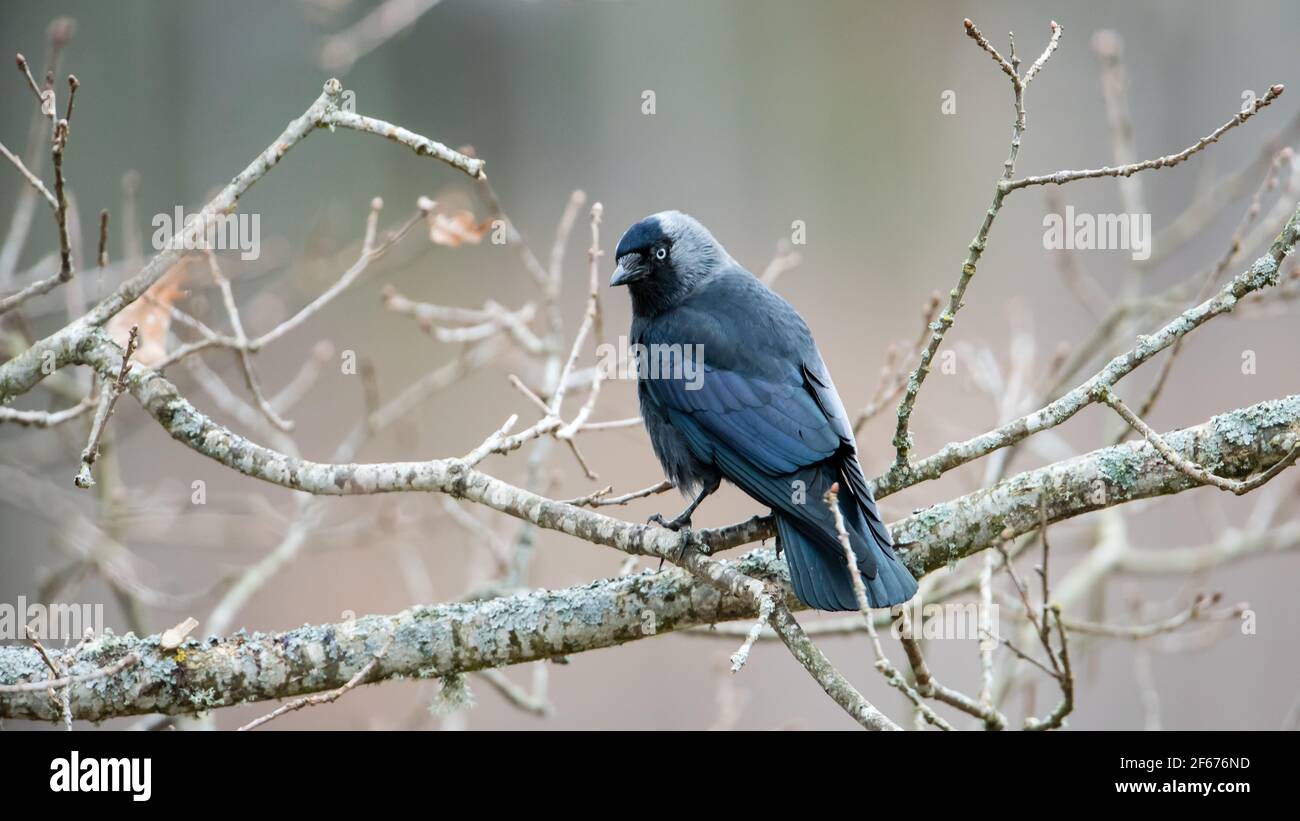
(732, 387)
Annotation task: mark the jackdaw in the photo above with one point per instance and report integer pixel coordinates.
(732, 387)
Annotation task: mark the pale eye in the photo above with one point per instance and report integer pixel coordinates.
(661, 254)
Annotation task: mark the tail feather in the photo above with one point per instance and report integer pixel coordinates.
(820, 575)
(807, 530)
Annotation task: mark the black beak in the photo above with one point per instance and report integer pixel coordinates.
(628, 270)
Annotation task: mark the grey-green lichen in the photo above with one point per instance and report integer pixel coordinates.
(452, 696)
(1119, 468)
(452, 639)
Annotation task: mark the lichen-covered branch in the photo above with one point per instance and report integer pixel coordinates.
(502, 619)
(1234, 445)
(449, 638)
(1263, 273)
(1112, 475)
(1194, 471)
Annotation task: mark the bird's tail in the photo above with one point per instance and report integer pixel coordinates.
(818, 569)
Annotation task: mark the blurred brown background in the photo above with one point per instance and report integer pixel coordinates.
(767, 112)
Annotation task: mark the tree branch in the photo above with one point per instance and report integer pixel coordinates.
(19, 374)
(462, 637)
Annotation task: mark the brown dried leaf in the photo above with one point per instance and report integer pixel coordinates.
(457, 228)
(151, 313)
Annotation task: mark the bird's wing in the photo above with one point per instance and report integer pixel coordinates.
(828, 399)
(764, 408)
(740, 388)
(749, 411)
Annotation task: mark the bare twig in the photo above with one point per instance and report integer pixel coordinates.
(32, 180)
(340, 51)
(902, 438)
(1212, 275)
(245, 358)
(893, 373)
(1056, 718)
(19, 374)
(1262, 274)
(601, 498)
(785, 259)
(48, 419)
(1188, 467)
(60, 195)
(71, 681)
(1167, 161)
(107, 399)
(320, 698)
(883, 664)
(831, 680)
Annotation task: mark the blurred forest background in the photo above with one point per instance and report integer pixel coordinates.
(766, 113)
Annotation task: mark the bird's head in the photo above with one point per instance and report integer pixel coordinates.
(662, 257)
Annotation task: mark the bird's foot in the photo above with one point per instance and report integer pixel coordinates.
(675, 525)
(688, 536)
(681, 526)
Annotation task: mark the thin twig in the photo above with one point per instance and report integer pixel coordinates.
(1167, 161)
(321, 698)
(893, 372)
(883, 664)
(1192, 470)
(601, 497)
(112, 390)
(902, 437)
(71, 681)
(32, 180)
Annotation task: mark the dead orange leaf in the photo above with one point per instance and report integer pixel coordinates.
(457, 228)
(151, 312)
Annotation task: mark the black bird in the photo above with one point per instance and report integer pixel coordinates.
(732, 387)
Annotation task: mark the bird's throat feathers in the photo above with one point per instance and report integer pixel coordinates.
(654, 295)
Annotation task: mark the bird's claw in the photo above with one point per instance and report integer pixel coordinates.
(688, 536)
(674, 525)
(681, 526)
